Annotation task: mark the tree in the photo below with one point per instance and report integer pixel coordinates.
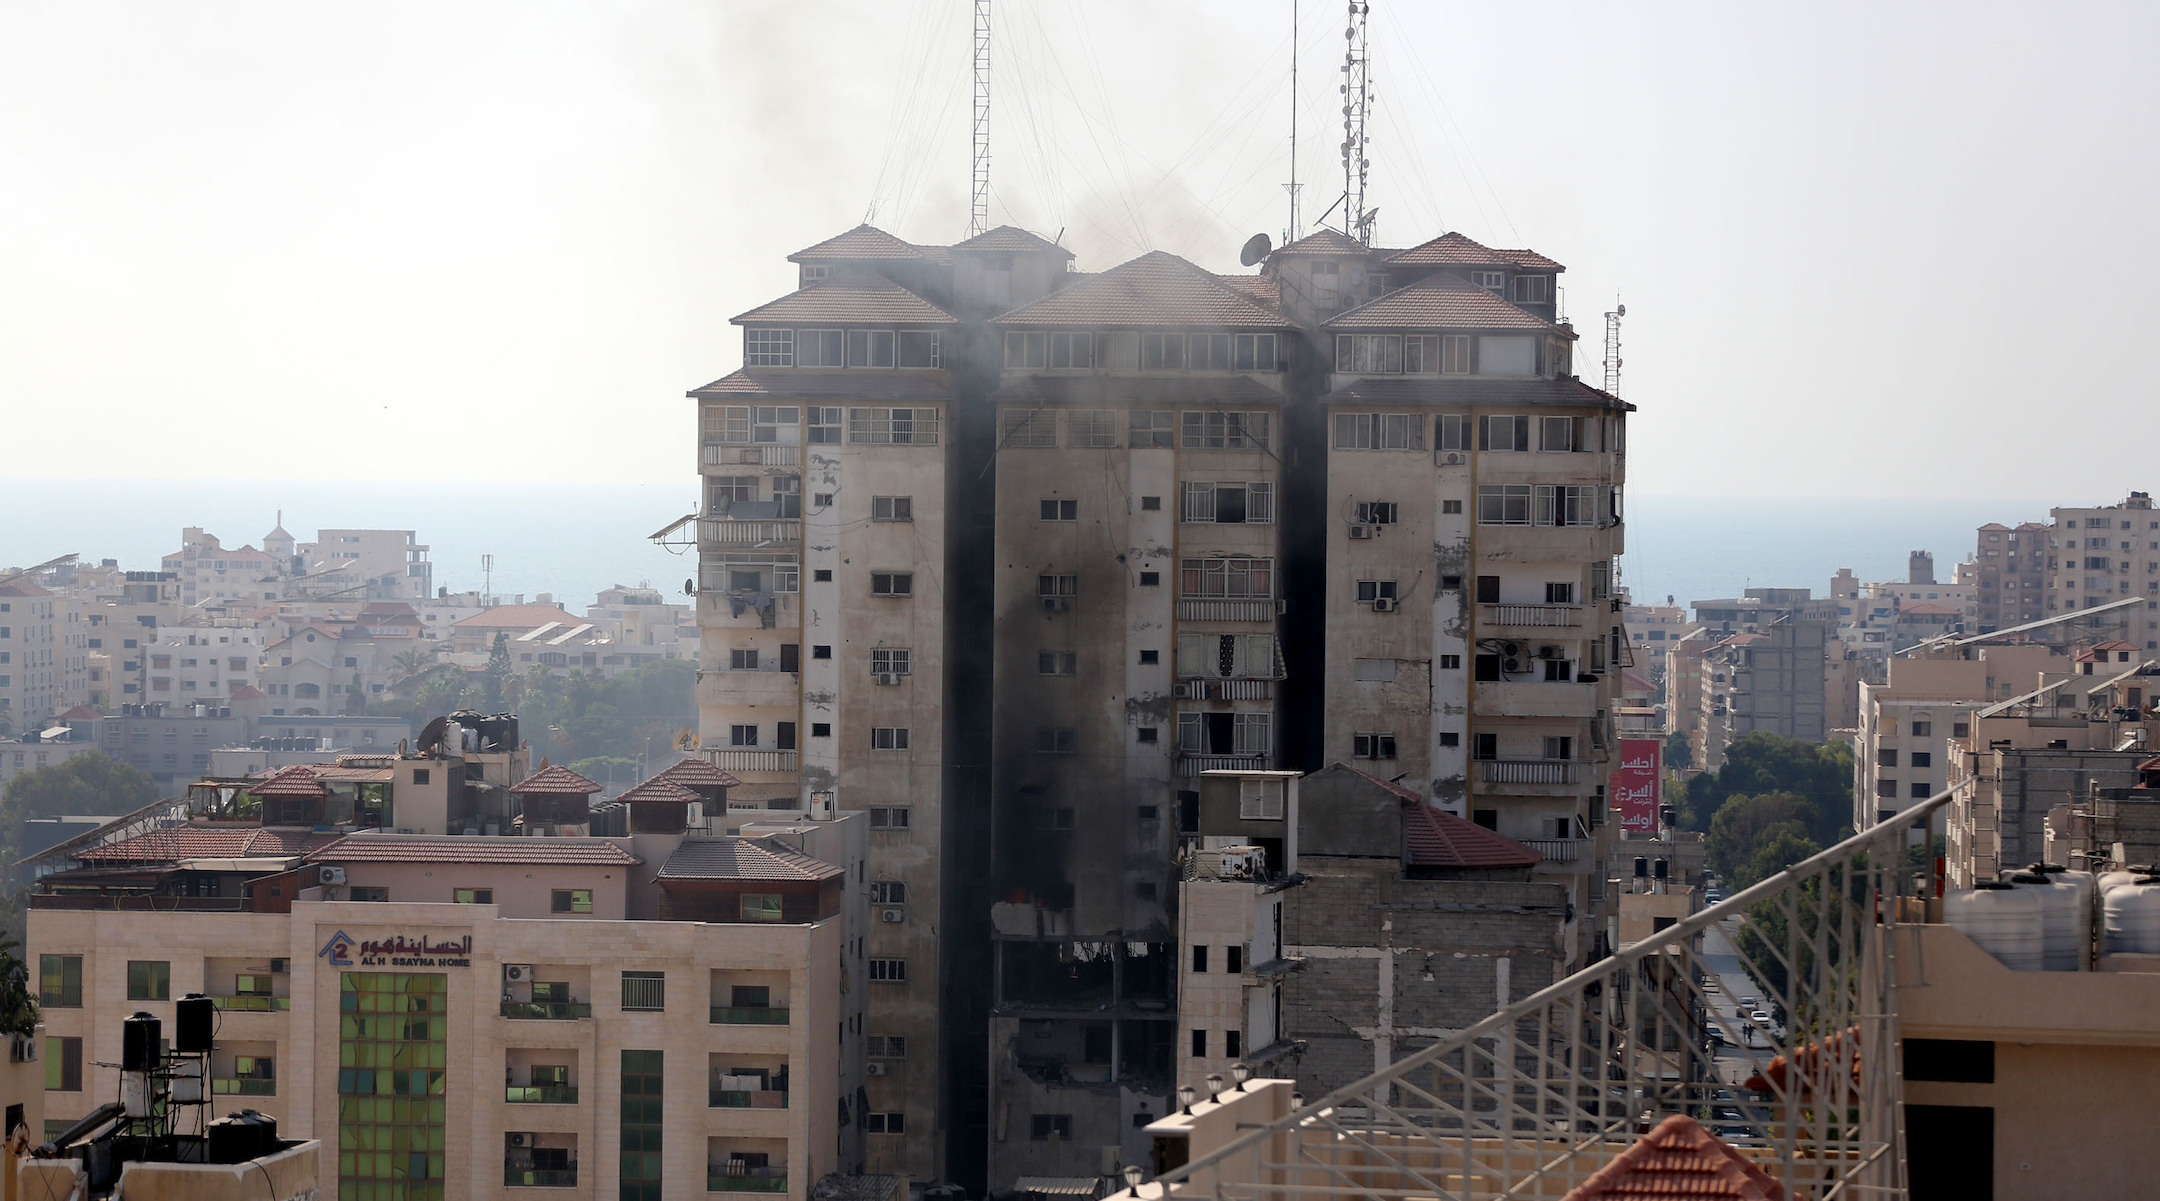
(1677, 751)
(498, 671)
(92, 784)
(414, 661)
(1743, 822)
(1780, 846)
(18, 1008)
(1821, 772)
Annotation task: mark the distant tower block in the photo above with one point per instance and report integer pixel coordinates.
(1920, 568)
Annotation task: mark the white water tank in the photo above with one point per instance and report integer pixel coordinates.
(2001, 919)
(2061, 927)
(2131, 918)
(2110, 880)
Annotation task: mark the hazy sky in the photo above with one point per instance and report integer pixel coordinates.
(1867, 250)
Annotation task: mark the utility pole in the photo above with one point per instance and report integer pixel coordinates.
(1357, 98)
(979, 214)
(1612, 349)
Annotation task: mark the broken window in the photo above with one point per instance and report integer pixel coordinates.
(1056, 663)
(1043, 1126)
(1228, 503)
(1376, 512)
(1247, 734)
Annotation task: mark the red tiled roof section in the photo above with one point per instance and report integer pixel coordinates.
(790, 384)
(443, 848)
(245, 692)
(849, 300)
(1437, 838)
(1264, 288)
(1531, 260)
(294, 783)
(863, 242)
(1158, 289)
(1325, 242)
(697, 773)
(517, 617)
(1679, 1161)
(1010, 239)
(742, 859)
(1452, 250)
(207, 842)
(659, 791)
(554, 780)
(1439, 302)
(86, 713)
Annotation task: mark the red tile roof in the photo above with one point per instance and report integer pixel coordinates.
(849, 300)
(1437, 838)
(448, 848)
(1157, 289)
(1325, 242)
(86, 713)
(742, 859)
(1474, 390)
(659, 791)
(517, 617)
(206, 842)
(1452, 250)
(245, 692)
(697, 773)
(1010, 239)
(1531, 260)
(790, 384)
(1679, 1161)
(1439, 302)
(555, 780)
(297, 782)
(861, 242)
(1264, 288)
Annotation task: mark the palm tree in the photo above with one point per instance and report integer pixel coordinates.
(413, 662)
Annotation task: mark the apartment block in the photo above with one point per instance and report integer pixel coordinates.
(1007, 554)
(44, 656)
(377, 564)
(2106, 554)
(2010, 575)
(1767, 668)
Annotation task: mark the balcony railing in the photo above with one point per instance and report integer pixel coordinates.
(1530, 615)
(242, 1086)
(253, 1004)
(1193, 765)
(736, 454)
(756, 1180)
(719, 531)
(547, 1011)
(1210, 609)
(739, 759)
(1557, 850)
(539, 1177)
(738, 1098)
(131, 902)
(1227, 690)
(540, 1094)
(748, 1015)
(1528, 771)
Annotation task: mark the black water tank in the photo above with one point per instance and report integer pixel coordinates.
(139, 1043)
(194, 1023)
(235, 1138)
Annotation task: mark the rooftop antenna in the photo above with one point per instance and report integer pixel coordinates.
(487, 579)
(1612, 349)
(1297, 222)
(979, 215)
(1357, 98)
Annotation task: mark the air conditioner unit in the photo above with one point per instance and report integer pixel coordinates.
(1511, 649)
(1180, 691)
(1511, 666)
(330, 875)
(519, 1138)
(517, 973)
(1384, 604)
(1056, 604)
(1549, 652)
(892, 915)
(23, 1048)
(1452, 458)
(887, 677)
(1361, 531)
(873, 1069)
(279, 967)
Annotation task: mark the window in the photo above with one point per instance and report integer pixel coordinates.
(570, 900)
(888, 738)
(1050, 587)
(820, 348)
(63, 1065)
(1060, 510)
(1503, 504)
(1556, 433)
(1885, 788)
(784, 735)
(892, 508)
(1057, 742)
(1150, 579)
(149, 980)
(1376, 512)
(1372, 746)
(742, 658)
(745, 736)
(644, 991)
(1923, 729)
(1503, 433)
(761, 906)
(892, 660)
(888, 892)
(1148, 658)
(821, 651)
(1056, 663)
(1507, 356)
(1199, 1044)
(472, 896)
(1226, 431)
(885, 1046)
(1560, 592)
(894, 817)
(1490, 280)
(1148, 734)
(1029, 429)
(1379, 431)
(1533, 289)
(1070, 349)
(1369, 591)
(893, 427)
(1368, 354)
(1226, 577)
(1455, 354)
(870, 348)
(1208, 352)
(891, 971)
(824, 427)
(1151, 504)
(1923, 758)
(1050, 1126)
(60, 981)
(1152, 428)
(1451, 508)
(821, 729)
(884, 1123)
(892, 583)
(1025, 350)
(1886, 758)
(1162, 352)
(1229, 503)
(918, 349)
(1485, 747)
(1248, 734)
(1091, 429)
(420, 776)
(768, 348)
(1233, 1043)
(1256, 352)
(1919, 790)
(1450, 738)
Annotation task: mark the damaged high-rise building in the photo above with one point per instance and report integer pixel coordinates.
(1006, 554)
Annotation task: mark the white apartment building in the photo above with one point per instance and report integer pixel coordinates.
(203, 662)
(2104, 554)
(209, 571)
(375, 564)
(44, 660)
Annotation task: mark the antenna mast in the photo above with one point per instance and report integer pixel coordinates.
(1612, 349)
(1297, 222)
(1357, 96)
(979, 214)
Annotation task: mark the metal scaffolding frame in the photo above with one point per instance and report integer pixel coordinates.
(1533, 1100)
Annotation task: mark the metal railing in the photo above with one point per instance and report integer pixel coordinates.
(748, 454)
(741, 1098)
(1193, 765)
(721, 531)
(1534, 1099)
(252, 1003)
(539, 1177)
(766, 1180)
(1557, 850)
(733, 759)
(1216, 609)
(748, 1015)
(1528, 771)
(1530, 615)
(547, 1011)
(242, 1086)
(540, 1094)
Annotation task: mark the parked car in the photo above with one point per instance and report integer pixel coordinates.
(1760, 1017)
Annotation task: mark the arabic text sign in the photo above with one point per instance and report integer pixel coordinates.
(1635, 783)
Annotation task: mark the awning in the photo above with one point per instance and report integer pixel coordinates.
(1057, 1186)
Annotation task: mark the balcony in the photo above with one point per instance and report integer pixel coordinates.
(547, 1011)
(540, 1094)
(746, 1098)
(1212, 609)
(748, 1015)
(755, 1180)
(252, 1003)
(733, 759)
(539, 1177)
(1534, 698)
(1193, 765)
(736, 454)
(721, 531)
(1530, 616)
(1528, 771)
(133, 902)
(1558, 850)
(242, 1086)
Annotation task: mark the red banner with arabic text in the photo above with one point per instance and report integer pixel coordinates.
(1635, 784)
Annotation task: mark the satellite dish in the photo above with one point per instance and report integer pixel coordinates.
(1256, 248)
